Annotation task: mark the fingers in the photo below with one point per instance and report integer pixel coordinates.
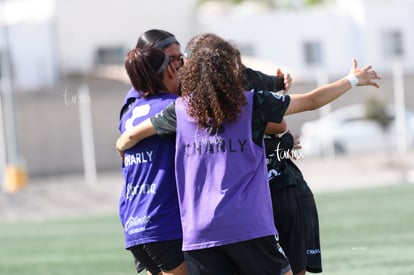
(376, 75)
(354, 64)
(287, 79)
(373, 75)
(297, 147)
(296, 142)
(120, 154)
(279, 72)
(366, 75)
(375, 84)
(367, 68)
(287, 82)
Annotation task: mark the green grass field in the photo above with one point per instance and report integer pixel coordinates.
(362, 232)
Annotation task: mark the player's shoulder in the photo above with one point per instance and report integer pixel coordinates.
(263, 97)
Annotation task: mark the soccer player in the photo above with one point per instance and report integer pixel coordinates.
(148, 205)
(223, 191)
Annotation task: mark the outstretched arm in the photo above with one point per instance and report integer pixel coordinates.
(323, 95)
(134, 135)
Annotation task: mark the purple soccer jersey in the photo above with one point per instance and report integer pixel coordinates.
(148, 205)
(222, 182)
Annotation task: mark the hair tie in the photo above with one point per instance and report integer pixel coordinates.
(164, 64)
(165, 42)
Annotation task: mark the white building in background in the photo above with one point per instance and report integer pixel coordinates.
(96, 32)
(27, 29)
(305, 41)
(51, 38)
(78, 35)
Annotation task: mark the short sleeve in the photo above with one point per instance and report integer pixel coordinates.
(259, 81)
(165, 122)
(267, 107)
(273, 106)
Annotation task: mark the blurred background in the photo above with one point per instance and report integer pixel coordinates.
(63, 81)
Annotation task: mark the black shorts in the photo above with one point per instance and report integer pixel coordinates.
(290, 226)
(139, 266)
(158, 256)
(297, 222)
(296, 219)
(257, 256)
(311, 225)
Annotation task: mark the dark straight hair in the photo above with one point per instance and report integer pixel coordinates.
(145, 68)
(156, 39)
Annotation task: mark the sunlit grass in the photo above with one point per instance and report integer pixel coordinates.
(84, 246)
(366, 232)
(369, 231)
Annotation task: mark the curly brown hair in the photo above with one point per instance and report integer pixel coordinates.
(211, 81)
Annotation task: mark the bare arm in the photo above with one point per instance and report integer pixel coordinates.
(323, 95)
(276, 128)
(134, 135)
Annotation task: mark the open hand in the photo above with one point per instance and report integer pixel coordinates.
(365, 76)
